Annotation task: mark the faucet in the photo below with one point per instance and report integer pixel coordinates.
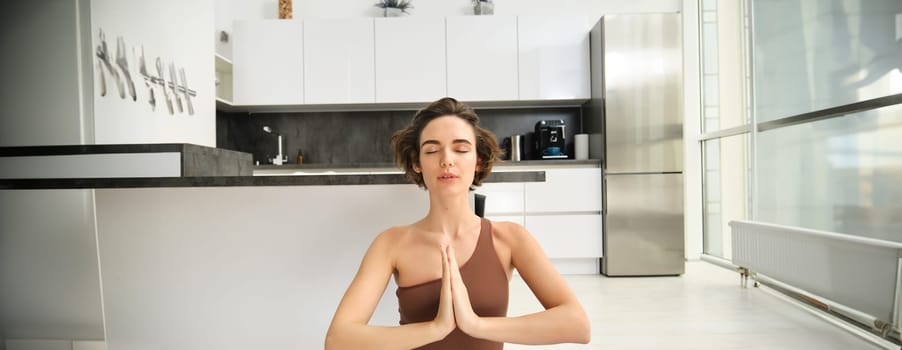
(280, 158)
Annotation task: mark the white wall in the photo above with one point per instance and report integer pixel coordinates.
(176, 31)
(42, 74)
(49, 277)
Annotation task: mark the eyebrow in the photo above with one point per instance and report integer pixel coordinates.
(435, 142)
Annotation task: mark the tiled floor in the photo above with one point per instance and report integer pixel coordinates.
(703, 309)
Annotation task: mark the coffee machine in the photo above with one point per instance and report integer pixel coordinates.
(550, 141)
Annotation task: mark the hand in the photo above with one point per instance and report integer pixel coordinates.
(444, 319)
(466, 318)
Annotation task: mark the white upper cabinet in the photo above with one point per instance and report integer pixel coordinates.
(554, 57)
(338, 61)
(268, 62)
(482, 58)
(410, 59)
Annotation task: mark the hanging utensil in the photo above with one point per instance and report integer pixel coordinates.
(163, 82)
(142, 69)
(187, 93)
(122, 62)
(102, 78)
(174, 86)
(104, 55)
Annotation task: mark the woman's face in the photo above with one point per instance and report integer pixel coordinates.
(448, 159)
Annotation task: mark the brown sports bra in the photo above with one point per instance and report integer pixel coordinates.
(486, 283)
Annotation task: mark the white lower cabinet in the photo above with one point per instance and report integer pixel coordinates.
(563, 214)
(567, 236)
(503, 198)
(570, 189)
(517, 219)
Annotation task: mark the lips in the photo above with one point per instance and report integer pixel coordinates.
(447, 177)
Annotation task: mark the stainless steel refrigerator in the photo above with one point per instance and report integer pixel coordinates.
(635, 116)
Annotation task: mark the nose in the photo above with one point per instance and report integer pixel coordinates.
(445, 161)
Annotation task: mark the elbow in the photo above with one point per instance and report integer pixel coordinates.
(584, 330)
(331, 342)
(584, 335)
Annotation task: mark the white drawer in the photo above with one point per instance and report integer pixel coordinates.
(565, 190)
(502, 198)
(512, 218)
(567, 236)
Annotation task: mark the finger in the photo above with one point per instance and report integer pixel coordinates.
(444, 261)
(456, 279)
(452, 256)
(446, 274)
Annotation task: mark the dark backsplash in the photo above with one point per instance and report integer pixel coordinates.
(362, 137)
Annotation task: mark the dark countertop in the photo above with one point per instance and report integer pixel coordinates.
(320, 166)
(237, 181)
(212, 167)
(196, 160)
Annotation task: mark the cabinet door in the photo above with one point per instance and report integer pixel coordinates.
(567, 236)
(267, 62)
(482, 58)
(410, 59)
(554, 57)
(502, 198)
(565, 190)
(338, 61)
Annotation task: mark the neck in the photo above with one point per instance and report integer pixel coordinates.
(449, 214)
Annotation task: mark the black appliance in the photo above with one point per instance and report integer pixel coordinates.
(550, 141)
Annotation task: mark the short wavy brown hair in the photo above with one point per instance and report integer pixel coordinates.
(406, 142)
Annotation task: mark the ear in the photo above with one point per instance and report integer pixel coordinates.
(416, 168)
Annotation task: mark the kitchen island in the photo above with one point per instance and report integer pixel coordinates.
(183, 165)
(258, 260)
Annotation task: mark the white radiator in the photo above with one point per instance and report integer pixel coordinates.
(859, 273)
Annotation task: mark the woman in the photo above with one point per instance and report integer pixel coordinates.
(453, 267)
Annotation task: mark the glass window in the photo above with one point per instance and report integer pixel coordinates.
(725, 190)
(842, 175)
(814, 54)
(723, 67)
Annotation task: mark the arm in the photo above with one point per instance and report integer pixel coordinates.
(563, 321)
(349, 328)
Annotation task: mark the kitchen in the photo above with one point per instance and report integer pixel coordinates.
(248, 229)
(159, 252)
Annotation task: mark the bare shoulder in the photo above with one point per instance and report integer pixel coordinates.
(509, 233)
(390, 237)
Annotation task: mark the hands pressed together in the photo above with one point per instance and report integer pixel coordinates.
(454, 309)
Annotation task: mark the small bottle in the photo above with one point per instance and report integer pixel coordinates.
(300, 158)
